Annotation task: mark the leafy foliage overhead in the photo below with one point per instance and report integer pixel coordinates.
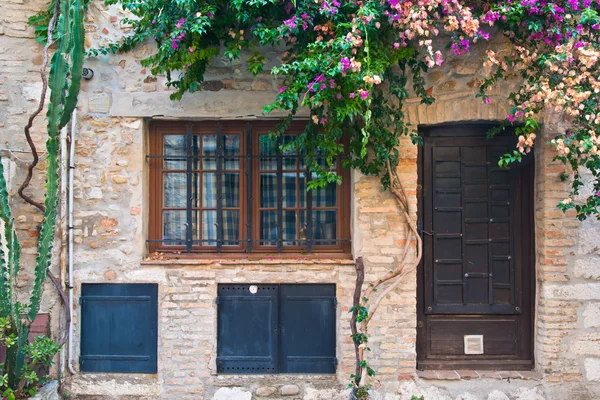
(350, 62)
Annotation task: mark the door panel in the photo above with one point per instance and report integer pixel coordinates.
(477, 243)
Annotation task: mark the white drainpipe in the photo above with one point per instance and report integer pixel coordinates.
(71, 171)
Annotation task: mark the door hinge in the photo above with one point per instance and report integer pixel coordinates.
(420, 191)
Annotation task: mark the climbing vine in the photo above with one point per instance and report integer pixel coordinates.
(353, 63)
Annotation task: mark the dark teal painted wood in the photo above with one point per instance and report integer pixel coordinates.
(307, 318)
(119, 327)
(247, 329)
(278, 329)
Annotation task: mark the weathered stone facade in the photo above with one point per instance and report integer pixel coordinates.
(111, 219)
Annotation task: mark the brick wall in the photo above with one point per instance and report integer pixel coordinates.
(111, 193)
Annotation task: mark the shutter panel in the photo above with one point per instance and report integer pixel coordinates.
(308, 329)
(119, 327)
(247, 329)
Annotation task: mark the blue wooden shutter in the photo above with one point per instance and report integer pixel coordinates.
(119, 327)
(307, 329)
(247, 329)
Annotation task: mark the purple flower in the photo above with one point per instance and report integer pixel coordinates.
(210, 15)
(345, 64)
(331, 83)
(351, 95)
(174, 44)
(487, 100)
(180, 23)
(282, 89)
(598, 193)
(364, 94)
(320, 78)
(154, 21)
(191, 49)
(323, 86)
(510, 117)
(290, 23)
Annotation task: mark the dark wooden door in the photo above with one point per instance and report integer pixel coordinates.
(475, 281)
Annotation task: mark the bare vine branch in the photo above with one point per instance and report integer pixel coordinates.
(400, 272)
(37, 111)
(360, 278)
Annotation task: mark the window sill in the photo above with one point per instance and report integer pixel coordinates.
(455, 375)
(249, 259)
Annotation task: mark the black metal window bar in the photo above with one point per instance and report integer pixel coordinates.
(190, 157)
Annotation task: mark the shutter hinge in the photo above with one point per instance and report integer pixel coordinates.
(80, 300)
(335, 302)
(335, 362)
(217, 300)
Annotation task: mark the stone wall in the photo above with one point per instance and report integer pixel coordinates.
(111, 207)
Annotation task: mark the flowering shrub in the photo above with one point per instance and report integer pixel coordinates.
(556, 51)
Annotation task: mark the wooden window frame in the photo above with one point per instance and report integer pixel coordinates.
(249, 243)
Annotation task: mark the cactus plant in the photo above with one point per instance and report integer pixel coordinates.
(18, 376)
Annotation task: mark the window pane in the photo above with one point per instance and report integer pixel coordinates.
(302, 190)
(267, 147)
(324, 225)
(174, 227)
(231, 189)
(174, 145)
(268, 190)
(325, 196)
(289, 228)
(268, 228)
(209, 149)
(175, 190)
(209, 227)
(231, 227)
(289, 190)
(209, 190)
(231, 147)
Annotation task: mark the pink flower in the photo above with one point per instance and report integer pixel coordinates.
(351, 95)
(180, 23)
(191, 49)
(396, 45)
(510, 117)
(282, 89)
(487, 100)
(174, 44)
(364, 94)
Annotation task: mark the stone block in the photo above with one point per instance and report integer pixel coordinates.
(265, 391)
(588, 268)
(497, 395)
(591, 315)
(235, 393)
(592, 369)
(289, 390)
(99, 103)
